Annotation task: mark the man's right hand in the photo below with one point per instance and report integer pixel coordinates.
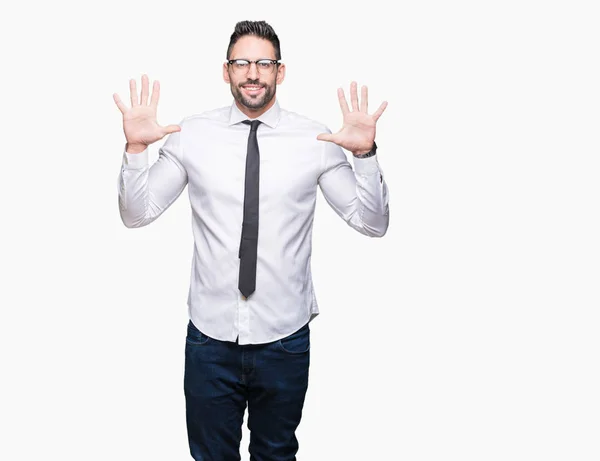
(139, 122)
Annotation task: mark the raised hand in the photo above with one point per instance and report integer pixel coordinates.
(358, 130)
(139, 122)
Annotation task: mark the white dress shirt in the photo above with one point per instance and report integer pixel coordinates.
(209, 156)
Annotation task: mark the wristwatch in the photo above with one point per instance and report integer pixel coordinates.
(372, 152)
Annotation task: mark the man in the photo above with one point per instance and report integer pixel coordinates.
(252, 171)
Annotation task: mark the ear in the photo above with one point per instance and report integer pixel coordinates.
(280, 74)
(226, 73)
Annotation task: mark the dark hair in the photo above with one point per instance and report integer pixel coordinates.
(260, 29)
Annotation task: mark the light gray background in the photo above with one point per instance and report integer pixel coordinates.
(469, 332)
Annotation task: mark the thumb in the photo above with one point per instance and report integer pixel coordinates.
(171, 129)
(326, 137)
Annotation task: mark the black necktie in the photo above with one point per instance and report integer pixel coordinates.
(249, 241)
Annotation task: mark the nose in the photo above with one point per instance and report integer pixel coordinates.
(253, 71)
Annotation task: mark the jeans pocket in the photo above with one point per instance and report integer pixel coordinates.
(194, 336)
(296, 343)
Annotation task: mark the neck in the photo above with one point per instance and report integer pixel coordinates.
(254, 113)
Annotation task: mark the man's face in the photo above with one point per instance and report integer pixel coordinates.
(253, 88)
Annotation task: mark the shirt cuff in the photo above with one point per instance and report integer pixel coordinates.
(366, 166)
(135, 161)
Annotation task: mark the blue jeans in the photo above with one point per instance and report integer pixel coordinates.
(221, 377)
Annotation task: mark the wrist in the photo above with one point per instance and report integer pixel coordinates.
(135, 148)
(366, 153)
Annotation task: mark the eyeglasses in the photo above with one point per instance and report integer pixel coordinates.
(242, 66)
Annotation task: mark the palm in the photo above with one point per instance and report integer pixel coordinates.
(140, 125)
(139, 121)
(358, 129)
(357, 132)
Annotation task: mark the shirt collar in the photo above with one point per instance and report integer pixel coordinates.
(269, 118)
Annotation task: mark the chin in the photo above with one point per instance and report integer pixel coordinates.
(255, 104)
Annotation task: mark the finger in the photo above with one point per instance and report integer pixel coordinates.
(379, 111)
(354, 96)
(364, 99)
(155, 94)
(119, 103)
(326, 137)
(343, 102)
(144, 98)
(171, 129)
(133, 93)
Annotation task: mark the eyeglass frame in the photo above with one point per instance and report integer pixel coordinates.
(272, 61)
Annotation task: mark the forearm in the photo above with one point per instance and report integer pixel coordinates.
(360, 195)
(371, 209)
(134, 194)
(145, 191)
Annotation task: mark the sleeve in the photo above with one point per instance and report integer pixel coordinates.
(145, 191)
(359, 196)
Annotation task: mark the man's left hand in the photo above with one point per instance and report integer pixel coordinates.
(358, 130)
